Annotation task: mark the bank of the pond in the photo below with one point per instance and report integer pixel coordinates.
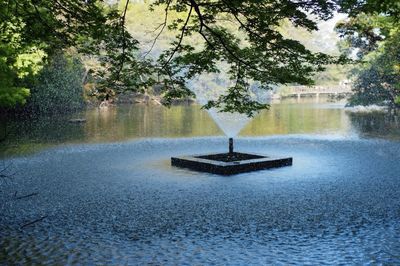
(123, 203)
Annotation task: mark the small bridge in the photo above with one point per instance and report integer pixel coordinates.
(300, 91)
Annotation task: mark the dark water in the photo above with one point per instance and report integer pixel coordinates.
(123, 204)
(124, 123)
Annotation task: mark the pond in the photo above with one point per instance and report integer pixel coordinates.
(308, 116)
(104, 192)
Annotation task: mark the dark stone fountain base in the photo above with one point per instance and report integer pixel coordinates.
(229, 163)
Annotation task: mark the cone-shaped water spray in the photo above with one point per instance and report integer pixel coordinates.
(206, 91)
(230, 123)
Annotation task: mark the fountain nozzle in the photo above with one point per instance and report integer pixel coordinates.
(230, 145)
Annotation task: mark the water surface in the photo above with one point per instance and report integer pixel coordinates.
(309, 116)
(108, 195)
(123, 204)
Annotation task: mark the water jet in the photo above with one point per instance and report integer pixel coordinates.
(230, 145)
(230, 163)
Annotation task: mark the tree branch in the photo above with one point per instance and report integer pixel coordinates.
(218, 36)
(180, 38)
(123, 40)
(164, 24)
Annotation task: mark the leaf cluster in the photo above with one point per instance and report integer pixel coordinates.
(373, 32)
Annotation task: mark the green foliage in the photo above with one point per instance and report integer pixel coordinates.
(59, 86)
(355, 7)
(32, 29)
(117, 67)
(12, 96)
(397, 100)
(364, 33)
(378, 80)
(18, 63)
(332, 75)
(373, 32)
(243, 34)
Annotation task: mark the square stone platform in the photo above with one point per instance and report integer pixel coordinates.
(230, 163)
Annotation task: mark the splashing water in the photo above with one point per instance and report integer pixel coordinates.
(230, 123)
(209, 87)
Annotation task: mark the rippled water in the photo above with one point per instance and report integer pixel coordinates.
(122, 203)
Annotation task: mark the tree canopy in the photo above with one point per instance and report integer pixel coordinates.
(243, 34)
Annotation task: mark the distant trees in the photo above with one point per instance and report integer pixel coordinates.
(378, 79)
(373, 34)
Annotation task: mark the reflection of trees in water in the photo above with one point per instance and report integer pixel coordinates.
(101, 122)
(54, 129)
(289, 118)
(141, 121)
(27, 135)
(376, 124)
(3, 127)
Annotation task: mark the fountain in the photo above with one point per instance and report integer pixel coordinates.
(231, 162)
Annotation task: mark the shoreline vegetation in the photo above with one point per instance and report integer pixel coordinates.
(145, 99)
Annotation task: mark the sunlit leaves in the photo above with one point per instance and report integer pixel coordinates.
(385, 7)
(12, 96)
(17, 61)
(30, 62)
